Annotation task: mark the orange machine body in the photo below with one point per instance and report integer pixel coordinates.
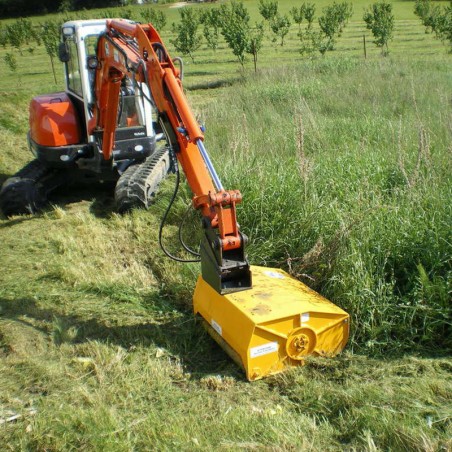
(136, 51)
(54, 121)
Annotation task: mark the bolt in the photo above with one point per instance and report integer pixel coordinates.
(300, 343)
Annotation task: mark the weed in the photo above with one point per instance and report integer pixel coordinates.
(62, 332)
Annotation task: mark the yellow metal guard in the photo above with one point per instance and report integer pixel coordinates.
(274, 325)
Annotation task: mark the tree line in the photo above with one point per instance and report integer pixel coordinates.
(436, 19)
(232, 22)
(23, 8)
(23, 36)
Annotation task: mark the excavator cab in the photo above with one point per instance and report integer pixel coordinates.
(134, 135)
(76, 139)
(67, 139)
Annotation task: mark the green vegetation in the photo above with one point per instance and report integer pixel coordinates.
(268, 9)
(20, 8)
(187, 39)
(280, 26)
(255, 42)
(211, 21)
(305, 11)
(154, 16)
(380, 20)
(50, 36)
(333, 21)
(11, 61)
(361, 193)
(235, 30)
(436, 19)
(344, 166)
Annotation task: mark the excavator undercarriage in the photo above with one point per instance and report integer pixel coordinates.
(27, 191)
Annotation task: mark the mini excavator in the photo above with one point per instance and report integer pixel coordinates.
(124, 117)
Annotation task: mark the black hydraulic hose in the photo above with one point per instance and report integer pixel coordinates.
(181, 240)
(165, 215)
(146, 80)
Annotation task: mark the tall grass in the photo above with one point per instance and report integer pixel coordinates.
(344, 168)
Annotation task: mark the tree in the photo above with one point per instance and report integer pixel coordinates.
(20, 32)
(3, 37)
(125, 13)
(256, 37)
(23, 8)
(236, 28)
(444, 26)
(10, 61)
(187, 39)
(297, 16)
(65, 6)
(305, 11)
(50, 35)
(238, 33)
(428, 13)
(436, 19)
(268, 9)
(211, 19)
(156, 17)
(309, 13)
(311, 41)
(380, 20)
(332, 23)
(280, 26)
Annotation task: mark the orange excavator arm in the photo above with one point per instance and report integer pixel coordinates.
(128, 48)
(269, 327)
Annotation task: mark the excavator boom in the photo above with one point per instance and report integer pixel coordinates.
(135, 50)
(266, 326)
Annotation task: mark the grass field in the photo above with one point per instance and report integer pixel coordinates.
(344, 165)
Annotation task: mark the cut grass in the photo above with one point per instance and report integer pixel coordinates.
(116, 395)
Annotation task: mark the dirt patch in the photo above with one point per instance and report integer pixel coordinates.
(178, 5)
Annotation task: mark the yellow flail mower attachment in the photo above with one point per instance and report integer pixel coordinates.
(274, 325)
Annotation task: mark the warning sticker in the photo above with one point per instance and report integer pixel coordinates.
(217, 327)
(263, 349)
(274, 275)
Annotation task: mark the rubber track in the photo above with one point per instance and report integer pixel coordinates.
(26, 191)
(139, 183)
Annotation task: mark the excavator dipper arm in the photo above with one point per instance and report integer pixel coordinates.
(134, 49)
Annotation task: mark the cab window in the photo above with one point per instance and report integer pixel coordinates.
(130, 111)
(74, 79)
(91, 44)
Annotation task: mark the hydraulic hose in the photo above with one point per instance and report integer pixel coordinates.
(165, 216)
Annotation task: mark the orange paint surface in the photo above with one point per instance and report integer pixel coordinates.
(54, 121)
